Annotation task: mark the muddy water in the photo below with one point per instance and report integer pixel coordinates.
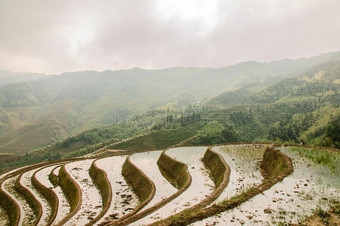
(63, 208)
(46, 209)
(310, 186)
(243, 161)
(123, 199)
(201, 185)
(91, 199)
(147, 162)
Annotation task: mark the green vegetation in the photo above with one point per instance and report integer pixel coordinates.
(49, 195)
(92, 139)
(86, 150)
(304, 107)
(336, 208)
(54, 179)
(29, 159)
(324, 215)
(272, 163)
(70, 189)
(99, 179)
(10, 206)
(283, 110)
(279, 123)
(324, 157)
(61, 106)
(30, 198)
(8, 158)
(213, 162)
(158, 140)
(141, 185)
(174, 171)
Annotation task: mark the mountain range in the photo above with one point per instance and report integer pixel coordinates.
(37, 110)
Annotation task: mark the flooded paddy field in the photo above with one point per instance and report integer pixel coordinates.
(91, 198)
(27, 183)
(311, 186)
(123, 199)
(147, 162)
(200, 187)
(314, 185)
(243, 161)
(63, 206)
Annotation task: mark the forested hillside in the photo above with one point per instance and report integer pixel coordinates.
(53, 108)
(305, 107)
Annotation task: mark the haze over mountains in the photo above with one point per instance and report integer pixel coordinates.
(37, 110)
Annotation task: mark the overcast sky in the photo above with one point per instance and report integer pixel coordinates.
(63, 35)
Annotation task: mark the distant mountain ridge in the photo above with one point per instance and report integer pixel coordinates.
(9, 78)
(36, 113)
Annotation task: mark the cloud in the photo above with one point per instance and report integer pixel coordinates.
(57, 36)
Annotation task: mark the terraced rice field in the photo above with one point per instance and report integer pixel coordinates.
(42, 176)
(231, 184)
(244, 162)
(27, 183)
(123, 198)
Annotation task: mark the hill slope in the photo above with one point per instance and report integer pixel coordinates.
(63, 105)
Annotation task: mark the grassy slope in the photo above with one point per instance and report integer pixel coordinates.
(7, 158)
(70, 189)
(174, 171)
(38, 134)
(11, 207)
(216, 167)
(49, 195)
(138, 181)
(30, 198)
(101, 182)
(82, 100)
(158, 140)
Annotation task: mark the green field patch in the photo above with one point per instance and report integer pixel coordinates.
(158, 140)
(324, 157)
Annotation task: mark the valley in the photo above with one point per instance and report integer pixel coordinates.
(224, 155)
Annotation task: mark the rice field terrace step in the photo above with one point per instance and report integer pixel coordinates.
(147, 162)
(244, 162)
(9, 206)
(49, 198)
(72, 192)
(26, 216)
(142, 186)
(62, 206)
(3, 217)
(309, 187)
(228, 184)
(200, 187)
(275, 167)
(165, 192)
(30, 197)
(123, 199)
(91, 200)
